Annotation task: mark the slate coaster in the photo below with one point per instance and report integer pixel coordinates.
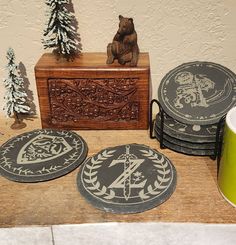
(198, 93)
(127, 179)
(41, 155)
(191, 145)
(181, 149)
(187, 132)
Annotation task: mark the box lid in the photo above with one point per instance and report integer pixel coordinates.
(87, 61)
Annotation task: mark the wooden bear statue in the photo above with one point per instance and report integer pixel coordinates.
(124, 47)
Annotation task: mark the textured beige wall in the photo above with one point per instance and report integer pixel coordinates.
(172, 31)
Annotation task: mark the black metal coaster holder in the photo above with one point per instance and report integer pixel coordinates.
(218, 141)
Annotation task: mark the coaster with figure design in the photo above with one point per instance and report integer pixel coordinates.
(198, 93)
(41, 155)
(127, 179)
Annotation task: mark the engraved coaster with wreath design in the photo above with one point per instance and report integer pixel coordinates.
(41, 155)
(127, 179)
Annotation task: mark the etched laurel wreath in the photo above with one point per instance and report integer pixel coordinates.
(163, 176)
(97, 189)
(91, 178)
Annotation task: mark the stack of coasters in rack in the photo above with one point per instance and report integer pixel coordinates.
(127, 179)
(194, 97)
(186, 138)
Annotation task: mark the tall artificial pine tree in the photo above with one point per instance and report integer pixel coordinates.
(15, 95)
(60, 32)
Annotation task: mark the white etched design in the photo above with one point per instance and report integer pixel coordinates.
(163, 177)
(124, 181)
(191, 89)
(90, 176)
(43, 148)
(45, 170)
(130, 180)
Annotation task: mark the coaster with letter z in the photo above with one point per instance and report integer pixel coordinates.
(127, 179)
(41, 155)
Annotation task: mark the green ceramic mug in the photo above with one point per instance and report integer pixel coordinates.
(227, 169)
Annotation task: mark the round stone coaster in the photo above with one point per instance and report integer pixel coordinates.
(41, 155)
(127, 179)
(181, 149)
(190, 145)
(187, 132)
(198, 93)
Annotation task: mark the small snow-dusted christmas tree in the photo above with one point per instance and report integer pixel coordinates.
(60, 32)
(15, 96)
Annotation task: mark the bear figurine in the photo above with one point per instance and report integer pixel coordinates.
(124, 46)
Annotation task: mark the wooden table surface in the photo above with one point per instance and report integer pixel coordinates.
(196, 198)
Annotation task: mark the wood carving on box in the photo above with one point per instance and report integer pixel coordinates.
(102, 99)
(88, 94)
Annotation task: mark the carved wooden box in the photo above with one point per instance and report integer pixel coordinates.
(89, 94)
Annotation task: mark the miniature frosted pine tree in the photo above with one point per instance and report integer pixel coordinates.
(15, 95)
(60, 32)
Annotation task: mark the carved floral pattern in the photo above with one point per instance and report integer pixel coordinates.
(106, 99)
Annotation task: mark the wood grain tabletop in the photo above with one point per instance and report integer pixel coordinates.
(196, 198)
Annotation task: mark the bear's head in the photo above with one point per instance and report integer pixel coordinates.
(126, 26)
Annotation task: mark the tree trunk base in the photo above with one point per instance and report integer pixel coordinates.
(18, 124)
